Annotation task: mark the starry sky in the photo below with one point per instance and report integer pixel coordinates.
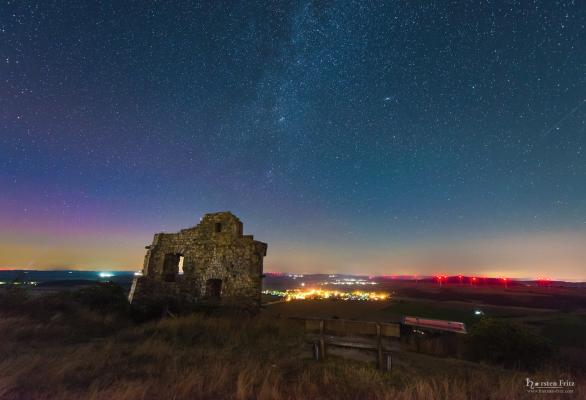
(389, 137)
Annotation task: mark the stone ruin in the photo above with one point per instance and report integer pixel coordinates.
(212, 261)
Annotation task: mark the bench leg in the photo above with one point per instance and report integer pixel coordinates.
(319, 350)
(315, 350)
(387, 361)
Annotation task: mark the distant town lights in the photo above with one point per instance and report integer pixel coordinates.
(319, 294)
(106, 274)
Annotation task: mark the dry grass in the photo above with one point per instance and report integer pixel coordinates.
(199, 357)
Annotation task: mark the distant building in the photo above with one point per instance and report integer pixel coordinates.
(212, 261)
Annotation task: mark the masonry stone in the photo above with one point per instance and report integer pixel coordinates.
(213, 260)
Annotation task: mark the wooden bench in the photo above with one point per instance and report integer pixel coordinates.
(379, 337)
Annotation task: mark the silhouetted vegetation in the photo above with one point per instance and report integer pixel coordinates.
(103, 297)
(506, 343)
(158, 306)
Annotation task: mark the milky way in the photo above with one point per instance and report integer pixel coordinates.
(332, 128)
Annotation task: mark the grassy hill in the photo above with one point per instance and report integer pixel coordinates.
(68, 347)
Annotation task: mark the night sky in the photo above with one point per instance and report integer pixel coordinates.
(352, 136)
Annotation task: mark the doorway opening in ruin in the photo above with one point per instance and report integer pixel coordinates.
(171, 267)
(218, 227)
(214, 288)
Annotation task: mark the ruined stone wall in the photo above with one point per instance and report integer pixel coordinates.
(215, 249)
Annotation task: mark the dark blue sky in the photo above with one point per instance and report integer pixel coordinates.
(332, 128)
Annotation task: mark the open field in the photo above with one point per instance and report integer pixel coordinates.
(561, 328)
(392, 310)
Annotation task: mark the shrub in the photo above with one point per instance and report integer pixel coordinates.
(104, 297)
(157, 306)
(14, 300)
(505, 343)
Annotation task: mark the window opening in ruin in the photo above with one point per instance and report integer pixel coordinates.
(218, 227)
(213, 288)
(171, 267)
(180, 265)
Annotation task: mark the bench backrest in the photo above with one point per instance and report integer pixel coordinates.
(343, 327)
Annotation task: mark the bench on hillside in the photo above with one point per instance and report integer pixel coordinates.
(338, 335)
